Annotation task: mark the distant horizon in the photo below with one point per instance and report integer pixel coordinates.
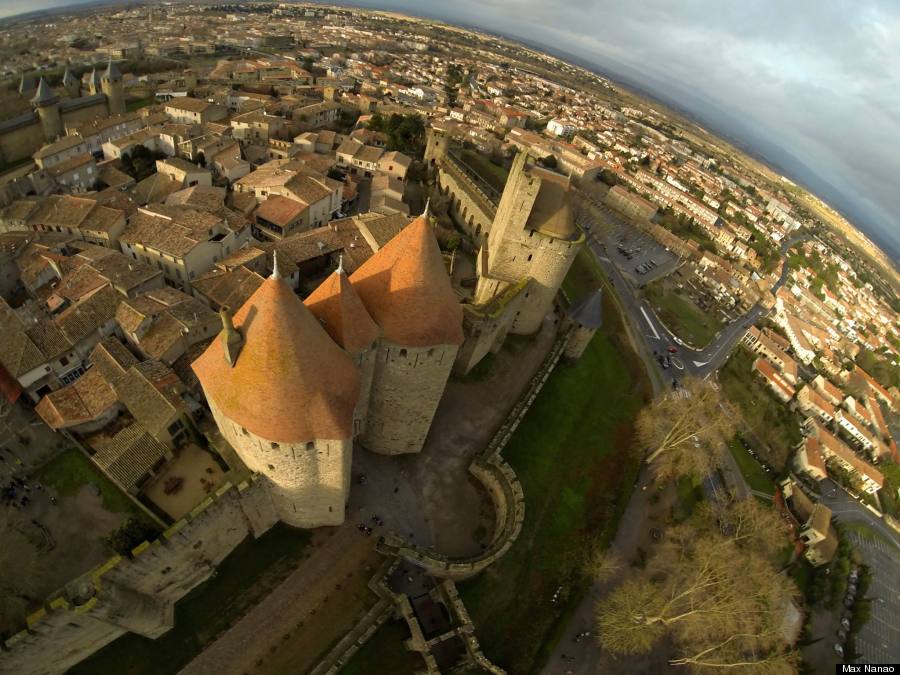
(868, 208)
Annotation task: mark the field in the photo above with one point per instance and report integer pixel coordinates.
(572, 453)
(752, 471)
(680, 315)
(246, 576)
(771, 427)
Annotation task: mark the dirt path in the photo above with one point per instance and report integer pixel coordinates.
(302, 611)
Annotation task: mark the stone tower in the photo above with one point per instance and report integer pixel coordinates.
(72, 84)
(94, 82)
(533, 237)
(190, 80)
(112, 85)
(586, 317)
(435, 147)
(47, 104)
(284, 395)
(406, 289)
(338, 307)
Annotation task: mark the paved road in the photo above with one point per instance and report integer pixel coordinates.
(656, 337)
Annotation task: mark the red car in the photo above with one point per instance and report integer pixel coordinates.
(671, 349)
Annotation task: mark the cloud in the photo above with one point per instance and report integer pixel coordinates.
(817, 82)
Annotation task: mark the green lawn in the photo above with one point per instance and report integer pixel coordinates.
(573, 456)
(246, 576)
(765, 418)
(752, 471)
(681, 315)
(493, 175)
(690, 493)
(385, 648)
(71, 470)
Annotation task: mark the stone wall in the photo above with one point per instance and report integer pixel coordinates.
(578, 342)
(486, 326)
(407, 387)
(22, 142)
(309, 482)
(469, 207)
(137, 594)
(502, 485)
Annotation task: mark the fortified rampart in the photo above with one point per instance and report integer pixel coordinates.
(138, 594)
(502, 485)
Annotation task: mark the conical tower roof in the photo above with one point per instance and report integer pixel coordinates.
(290, 382)
(44, 94)
(112, 73)
(69, 79)
(407, 290)
(26, 84)
(588, 312)
(94, 78)
(338, 307)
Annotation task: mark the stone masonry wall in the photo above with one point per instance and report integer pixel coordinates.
(309, 482)
(406, 390)
(139, 593)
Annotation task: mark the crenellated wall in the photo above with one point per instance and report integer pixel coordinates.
(407, 387)
(138, 594)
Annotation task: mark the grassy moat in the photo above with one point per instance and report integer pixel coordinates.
(573, 455)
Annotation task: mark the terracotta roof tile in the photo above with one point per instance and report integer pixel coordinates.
(407, 290)
(291, 382)
(337, 305)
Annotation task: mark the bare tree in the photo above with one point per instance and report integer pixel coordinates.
(712, 591)
(685, 430)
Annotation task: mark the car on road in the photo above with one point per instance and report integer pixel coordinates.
(672, 349)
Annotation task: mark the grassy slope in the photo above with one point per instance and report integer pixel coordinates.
(751, 469)
(493, 174)
(572, 453)
(252, 570)
(385, 648)
(767, 419)
(71, 470)
(682, 316)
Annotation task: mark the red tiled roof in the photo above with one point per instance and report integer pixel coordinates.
(407, 290)
(337, 305)
(291, 383)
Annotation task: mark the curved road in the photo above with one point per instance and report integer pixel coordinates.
(655, 335)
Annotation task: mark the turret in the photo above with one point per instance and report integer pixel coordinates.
(112, 86)
(586, 317)
(283, 395)
(72, 84)
(47, 104)
(406, 290)
(94, 82)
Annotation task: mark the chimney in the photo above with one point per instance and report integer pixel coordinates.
(232, 340)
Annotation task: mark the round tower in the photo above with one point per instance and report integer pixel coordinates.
(283, 394)
(406, 289)
(585, 318)
(435, 147)
(342, 314)
(112, 85)
(47, 104)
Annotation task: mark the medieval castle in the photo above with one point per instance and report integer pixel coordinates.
(292, 384)
(53, 111)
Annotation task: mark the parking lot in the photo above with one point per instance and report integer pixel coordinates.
(635, 253)
(879, 639)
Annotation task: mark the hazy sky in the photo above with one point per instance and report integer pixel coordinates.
(812, 85)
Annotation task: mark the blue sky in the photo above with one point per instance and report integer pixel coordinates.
(812, 85)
